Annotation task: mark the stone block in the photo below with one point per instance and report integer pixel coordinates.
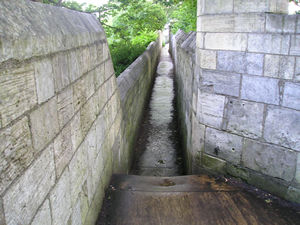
(274, 23)
(44, 80)
(75, 218)
(240, 62)
(63, 149)
(73, 65)
(210, 109)
(274, 6)
(222, 82)
(244, 118)
(99, 75)
(198, 132)
(297, 176)
(208, 59)
(78, 168)
(282, 127)
(60, 67)
(293, 194)
(223, 145)
(279, 66)
(87, 115)
(232, 23)
(44, 124)
(84, 60)
(289, 23)
(295, 45)
(30, 190)
(65, 107)
(217, 6)
(2, 216)
(226, 41)
(241, 6)
(60, 199)
(269, 43)
(199, 40)
(43, 216)
(16, 152)
(109, 69)
(213, 164)
(83, 89)
(270, 160)
(76, 132)
(291, 97)
(297, 69)
(260, 89)
(17, 93)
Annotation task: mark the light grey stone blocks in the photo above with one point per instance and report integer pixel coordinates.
(222, 82)
(216, 6)
(267, 158)
(275, 6)
(17, 93)
(260, 89)
(44, 80)
(44, 124)
(16, 152)
(291, 97)
(269, 43)
(43, 216)
(244, 118)
(279, 66)
(282, 127)
(30, 190)
(210, 108)
(240, 62)
(226, 41)
(295, 45)
(223, 145)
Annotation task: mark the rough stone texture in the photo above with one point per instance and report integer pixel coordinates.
(232, 23)
(297, 72)
(295, 45)
(30, 190)
(291, 97)
(276, 6)
(222, 83)
(269, 159)
(244, 118)
(208, 59)
(44, 80)
(76, 215)
(217, 6)
(297, 176)
(17, 93)
(226, 41)
(60, 71)
(269, 43)
(43, 216)
(223, 145)
(279, 66)
(44, 124)
(65, 107)
(260, 89)
(63, 149)
(16, 152)
(60, 199)
(210, 109)
(282, 127)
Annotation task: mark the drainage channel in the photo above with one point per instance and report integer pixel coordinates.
(157, 150)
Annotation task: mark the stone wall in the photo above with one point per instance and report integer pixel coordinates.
(60, 115)
(243, 115)
(135, 85)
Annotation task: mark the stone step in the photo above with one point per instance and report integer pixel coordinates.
(195, 199)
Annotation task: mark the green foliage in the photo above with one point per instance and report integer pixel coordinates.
(130, 26)
(184, 16)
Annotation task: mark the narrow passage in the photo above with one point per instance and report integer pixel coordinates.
(157, 150)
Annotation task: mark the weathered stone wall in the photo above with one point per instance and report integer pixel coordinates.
(134, 85)
(243, 115)
(60, 115)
